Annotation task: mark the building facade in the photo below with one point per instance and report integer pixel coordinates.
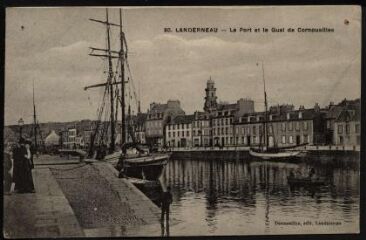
(178, 132)
(157, 117)
(348, 128)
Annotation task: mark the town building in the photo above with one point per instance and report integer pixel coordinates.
(178, 132)
(52, 139)
(140, 127)
(218, 121)
(348, 128)
(285, 127)
(201, 130)
(157, 117)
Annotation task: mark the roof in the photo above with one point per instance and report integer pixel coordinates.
(349, 115)
(307, 114)
(141, 118)
(183, 119)
(159, 107)
(227, 106)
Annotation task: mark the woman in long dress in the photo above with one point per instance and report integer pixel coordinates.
(23, 179)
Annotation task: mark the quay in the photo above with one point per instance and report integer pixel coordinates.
(76, 199)
(232, 152)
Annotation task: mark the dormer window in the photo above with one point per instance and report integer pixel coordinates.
(300, 115)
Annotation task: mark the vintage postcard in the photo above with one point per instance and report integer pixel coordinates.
(182, 121)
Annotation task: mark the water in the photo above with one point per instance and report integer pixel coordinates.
(245, 197)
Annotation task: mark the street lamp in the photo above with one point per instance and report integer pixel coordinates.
(20, 123)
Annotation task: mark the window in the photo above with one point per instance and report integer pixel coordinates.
(173, 127)
(222, 121)
(254, 130)
(243, 130)
(357, 128)
(305, 126)
(242, 140)
(297, 126)
(290, 126)
(283, 127)
(173, 134)
(347, 128)
(169, 134)
(182, 133)
(341, 139)
(290, 139)
(306, 140)
(187, 133)
(226, 121)
(340, 129)
(178, 134)
(227, 130)
(270, 129)
(283, 139)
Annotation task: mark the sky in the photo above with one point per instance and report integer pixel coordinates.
(49, 47)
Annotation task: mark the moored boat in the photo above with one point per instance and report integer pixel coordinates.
(138, 163)
(281, 154)
(306, 181)
(273, 153)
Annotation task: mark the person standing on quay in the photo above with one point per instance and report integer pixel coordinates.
(7, 176)
(166, 200)
(23, 168)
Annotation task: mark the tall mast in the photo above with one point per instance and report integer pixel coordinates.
(110, 78)
(265, 113)
(122, 59)
(34, 122)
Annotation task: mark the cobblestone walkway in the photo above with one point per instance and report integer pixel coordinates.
(45, 213)
(106, 205)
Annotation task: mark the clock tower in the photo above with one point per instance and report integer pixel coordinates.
(210, 99)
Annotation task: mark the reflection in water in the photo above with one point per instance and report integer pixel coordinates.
(247, 197)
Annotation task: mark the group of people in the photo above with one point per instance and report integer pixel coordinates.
(22, 165)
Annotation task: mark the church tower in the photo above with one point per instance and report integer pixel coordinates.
(210, 99)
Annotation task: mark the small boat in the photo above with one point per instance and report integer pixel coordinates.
(306, 181)
(279, 154)
(273, 153)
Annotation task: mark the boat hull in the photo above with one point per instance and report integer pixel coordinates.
(147, 167)
(306, 182)
(276, 155)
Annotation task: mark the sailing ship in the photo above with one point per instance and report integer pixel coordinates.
(131, 158)
(272, 153)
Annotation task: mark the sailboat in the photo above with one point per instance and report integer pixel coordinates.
(272, 153)
(132, 160)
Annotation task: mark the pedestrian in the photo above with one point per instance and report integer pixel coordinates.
(311, 173)
(23, 168)
(16, 165)
(166, 200)
(7, 176)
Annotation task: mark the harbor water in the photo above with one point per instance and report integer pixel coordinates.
(246, 196)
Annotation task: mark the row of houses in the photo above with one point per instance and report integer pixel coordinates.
(224, 124)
